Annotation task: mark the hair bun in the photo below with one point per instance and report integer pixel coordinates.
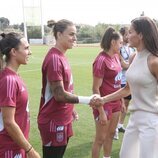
(51, 23)
(3, 35)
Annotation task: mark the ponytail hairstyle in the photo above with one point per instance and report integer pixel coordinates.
(1, 55)
(7, 42)
(123, 30)
(109, 35)
(1, 61)
(59, 26)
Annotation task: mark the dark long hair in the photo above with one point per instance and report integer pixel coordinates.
(108, 36)
(7, 42)
(123, 30)
(149, 30)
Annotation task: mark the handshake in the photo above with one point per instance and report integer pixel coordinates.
(96, 101)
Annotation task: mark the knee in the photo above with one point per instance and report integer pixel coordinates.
(111, 135)
(100, 141)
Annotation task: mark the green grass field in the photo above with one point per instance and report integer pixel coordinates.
(81, 59)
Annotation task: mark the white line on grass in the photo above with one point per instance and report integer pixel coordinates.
(30, 70)
(72, 64)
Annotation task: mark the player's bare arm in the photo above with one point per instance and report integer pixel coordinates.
(153, 65)
(97, 82)
(124, 64)
(14, 131)
(123, 92)
(61, 95)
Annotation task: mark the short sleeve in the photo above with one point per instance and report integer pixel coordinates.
(8, 91)
(54, 69)
(99, 67)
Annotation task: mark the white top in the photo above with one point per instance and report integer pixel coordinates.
(143, 85)
(126, 52)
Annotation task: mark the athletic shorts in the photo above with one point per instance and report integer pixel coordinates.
(109, 110)
(129, 97)
(8, 152)
(54, 134)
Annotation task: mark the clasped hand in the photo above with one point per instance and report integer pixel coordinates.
(96, 101)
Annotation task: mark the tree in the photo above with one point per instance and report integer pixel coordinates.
(91, 34)
(47, 30)
(21, 27)
(100, 29)
(34, 32)
(15, 26)
(86, 34)
(4, 23)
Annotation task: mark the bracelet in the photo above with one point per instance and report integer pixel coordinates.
(28, 150)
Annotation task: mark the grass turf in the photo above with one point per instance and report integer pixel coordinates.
(80, 59)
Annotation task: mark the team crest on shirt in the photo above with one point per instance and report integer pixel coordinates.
(60, 128)
(59, 136)
(118, 80)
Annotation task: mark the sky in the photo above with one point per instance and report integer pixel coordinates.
(89, 12)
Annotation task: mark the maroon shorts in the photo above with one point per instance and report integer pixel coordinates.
(109, 110)
(54, 134)
(11, 153)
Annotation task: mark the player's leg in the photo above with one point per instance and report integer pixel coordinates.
(52, 151)
(55, 139)
(101, 131)
(110, 134)
(120, 126)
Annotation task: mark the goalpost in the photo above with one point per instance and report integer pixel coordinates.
(32, 18)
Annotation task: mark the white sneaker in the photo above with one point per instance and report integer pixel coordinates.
(116, 136)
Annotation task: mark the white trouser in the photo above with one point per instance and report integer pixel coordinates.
(141, 136)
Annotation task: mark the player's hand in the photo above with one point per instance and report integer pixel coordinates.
(96, 102)
(75, 115)
(103, 119)
(123, 108)
(33, 154)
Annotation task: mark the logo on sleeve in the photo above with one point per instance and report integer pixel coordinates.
(22, 89)
(118, 80)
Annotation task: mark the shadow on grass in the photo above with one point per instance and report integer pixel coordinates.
(79, 151)
(84, 151)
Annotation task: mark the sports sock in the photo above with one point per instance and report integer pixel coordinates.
(119, 125)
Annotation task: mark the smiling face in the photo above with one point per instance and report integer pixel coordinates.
(22, 52)
(68, 37)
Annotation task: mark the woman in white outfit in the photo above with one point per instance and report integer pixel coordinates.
(141, 136)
